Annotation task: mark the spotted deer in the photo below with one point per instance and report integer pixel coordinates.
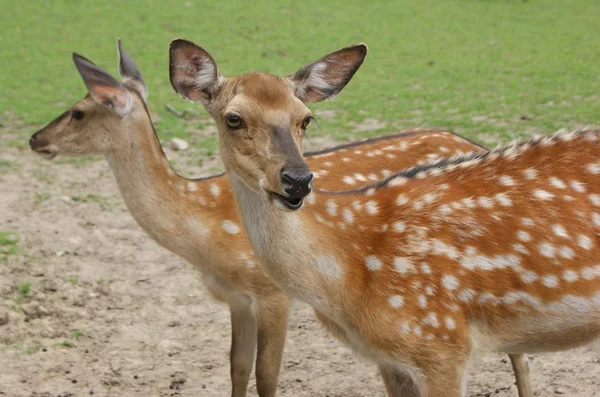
(491, 251)
(196, 218)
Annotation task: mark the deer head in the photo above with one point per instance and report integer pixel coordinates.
(261, 118)
(85, 128)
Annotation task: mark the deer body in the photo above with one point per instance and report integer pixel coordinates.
(489, 253)
(196, 218)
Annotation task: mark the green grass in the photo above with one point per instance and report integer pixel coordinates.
(468, 65)
(5, 165)
(9, 245)
(24, 290)
(76, 333)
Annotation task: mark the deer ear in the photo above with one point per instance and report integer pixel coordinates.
(103, 87)
(130, 74)
(327, 76)
(193, 71)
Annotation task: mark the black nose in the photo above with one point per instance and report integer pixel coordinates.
(296, 183)
(32, 140)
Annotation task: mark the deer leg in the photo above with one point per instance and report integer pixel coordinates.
(243, 347)
(272, 328)
(398, 383)
(446, 376)
(520, 365)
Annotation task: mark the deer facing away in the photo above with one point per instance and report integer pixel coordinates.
(196, 218)
(486, 252)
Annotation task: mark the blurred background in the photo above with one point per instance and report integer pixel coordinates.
(489, 69)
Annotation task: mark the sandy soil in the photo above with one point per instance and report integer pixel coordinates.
(110, 313)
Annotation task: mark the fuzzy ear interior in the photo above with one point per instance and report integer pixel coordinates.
(130, 74)
(193, 71)
(103, 87)
(327, 76)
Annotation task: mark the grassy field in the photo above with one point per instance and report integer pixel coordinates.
(499, 67)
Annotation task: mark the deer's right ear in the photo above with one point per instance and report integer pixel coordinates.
(130, 73)
(193, 71)
(103, 87)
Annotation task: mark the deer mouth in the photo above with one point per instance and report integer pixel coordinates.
(289, 203)
(48, 154)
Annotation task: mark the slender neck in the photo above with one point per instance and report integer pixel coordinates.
(154, 193)
(280, 240)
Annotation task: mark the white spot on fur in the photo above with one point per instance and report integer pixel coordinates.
(547, 250)
(403, 265)
(523, 235)
(450, 282)
(331, 208)
(230, 227)
(566, 252)
(596, 218)
(557, 183)
(349, 180)
(450, 323)
(360, 177)
(348, 216)
(401, 199)
(530, 174)
(520, 248)
(485, 202)
(593, 168)
(542, 195)
(529, 277)
(577, 186)
(526, 222)
(425, 269)
(584, 242)
(595, 199)
(310, 199)
(399, 226)
(570, 276)
(431, 320)
(191, 186)
(506, 180)
(503, 199)
(560, 231)
(422, 300)
(550, 281)
(396, 301)
(371, 207)
(372, 262)
(215, 190)
(589, 273)
(466, 295)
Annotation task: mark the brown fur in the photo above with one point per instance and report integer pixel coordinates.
(186, 216)
(312, 254)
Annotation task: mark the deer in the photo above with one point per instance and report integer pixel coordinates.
(487, 252)
(196, 218)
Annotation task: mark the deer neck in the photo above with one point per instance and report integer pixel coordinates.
(280, 240)
(155, 194)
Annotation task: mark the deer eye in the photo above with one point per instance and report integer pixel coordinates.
(77, 114)
(306, 122)
(233, 120)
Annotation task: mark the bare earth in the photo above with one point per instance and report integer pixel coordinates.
(110, 313)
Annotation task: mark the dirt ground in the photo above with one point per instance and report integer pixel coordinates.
(110, 313)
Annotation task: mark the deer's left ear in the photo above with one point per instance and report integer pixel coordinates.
(327, 76)
(130, 74)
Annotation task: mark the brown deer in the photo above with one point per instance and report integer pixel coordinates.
(196, 218)
(492, 251)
